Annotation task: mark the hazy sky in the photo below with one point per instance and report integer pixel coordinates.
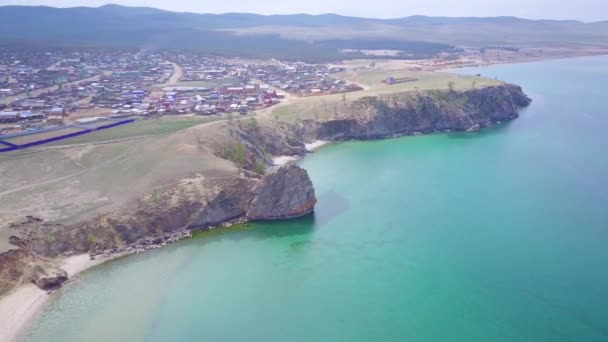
(585, 10)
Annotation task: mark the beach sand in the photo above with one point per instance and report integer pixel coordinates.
(315, 145)
(282, 160)
(21, 306)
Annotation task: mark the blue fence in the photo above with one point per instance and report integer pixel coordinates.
(13, 147)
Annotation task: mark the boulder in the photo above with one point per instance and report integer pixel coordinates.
(283, 194)
(49, 279)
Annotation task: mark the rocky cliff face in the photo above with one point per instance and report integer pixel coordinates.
(18, 267)
(284, 194)
(379, 117)
(191, 204)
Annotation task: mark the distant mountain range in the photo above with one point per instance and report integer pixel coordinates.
(278, 35)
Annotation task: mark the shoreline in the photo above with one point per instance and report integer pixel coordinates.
(284, 160)
(520, 61)
(19, 308)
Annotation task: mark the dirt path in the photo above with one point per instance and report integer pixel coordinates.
(156, 89)
(289, 98)
(177, 74)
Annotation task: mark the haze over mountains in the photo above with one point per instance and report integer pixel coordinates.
(258, 35)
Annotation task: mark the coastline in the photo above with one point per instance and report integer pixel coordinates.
(19, 308)
(283, 160)
(519, 61)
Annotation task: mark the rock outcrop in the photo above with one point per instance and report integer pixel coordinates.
(20, 266)
(284, 194)
(433, 111)
(49, 279)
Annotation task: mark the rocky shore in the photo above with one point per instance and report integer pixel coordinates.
(172, 212)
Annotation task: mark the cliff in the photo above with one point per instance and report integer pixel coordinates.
(171, 212)
(435, 111)
(166, 215)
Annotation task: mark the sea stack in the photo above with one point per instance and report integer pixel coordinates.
(283, 194)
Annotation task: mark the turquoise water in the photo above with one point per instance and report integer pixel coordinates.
(492, 236)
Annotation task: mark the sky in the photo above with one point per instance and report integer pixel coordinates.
(584, 10)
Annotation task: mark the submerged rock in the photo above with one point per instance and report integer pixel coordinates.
(283, 194)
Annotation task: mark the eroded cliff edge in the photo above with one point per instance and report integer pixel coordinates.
(171, 212)
(433, 111)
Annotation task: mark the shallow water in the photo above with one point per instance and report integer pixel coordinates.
(499, 235)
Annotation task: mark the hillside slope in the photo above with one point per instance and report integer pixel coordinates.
(280, 35)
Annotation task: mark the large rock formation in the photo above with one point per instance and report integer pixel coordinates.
(20, 266)
(49, 278)
(425, 112)
(284, 194)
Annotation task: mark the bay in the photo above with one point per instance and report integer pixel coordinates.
(499, 235)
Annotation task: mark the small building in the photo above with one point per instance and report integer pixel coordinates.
(31, 115)
(8, 117)
(57, 111)
(54, 120)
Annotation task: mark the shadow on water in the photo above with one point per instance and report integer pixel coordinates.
(257, 230)
(330, 205)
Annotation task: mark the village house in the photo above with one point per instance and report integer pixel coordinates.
(9, 116)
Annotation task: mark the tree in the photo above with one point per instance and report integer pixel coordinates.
(155, 198)
(260, 168)
(451, 85)
(253, 122)
(236, 154)
(344, 99)
(315, 112)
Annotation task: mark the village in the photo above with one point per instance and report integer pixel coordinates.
(42, 91)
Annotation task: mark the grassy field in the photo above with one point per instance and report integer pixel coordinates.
(75, 182)
(26, 139)
(322, 107)
(164, 125)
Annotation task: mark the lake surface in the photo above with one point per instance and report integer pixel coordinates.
(493, 236)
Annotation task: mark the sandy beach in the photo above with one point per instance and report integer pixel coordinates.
(19, 308)
(282, 160)
(316, 145)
